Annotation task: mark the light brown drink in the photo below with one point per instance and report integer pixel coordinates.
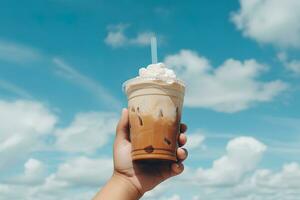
(154, 117)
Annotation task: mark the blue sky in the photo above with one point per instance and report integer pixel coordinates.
(62, 65)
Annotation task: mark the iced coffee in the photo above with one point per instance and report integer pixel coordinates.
(155, 101)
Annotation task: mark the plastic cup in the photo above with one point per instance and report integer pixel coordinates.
(155, 107)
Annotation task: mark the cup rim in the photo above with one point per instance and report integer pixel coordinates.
(153, 78)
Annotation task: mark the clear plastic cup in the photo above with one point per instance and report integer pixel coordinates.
(155, 107)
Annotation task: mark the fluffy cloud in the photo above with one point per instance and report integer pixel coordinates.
(231, 87)
(195, 141)
(265, 184)
(291, 65)
(19, 187)
(22, 124)
(17, 192)
(78, 178)
(80, 174)
(34, 173)
(116, 37)
(242, 156)
(174, 197)
(294, 66)
(270, 21)
(21, 192)
(289, 175)
(235, 176)
(162, 197)
(87, 132)
(84, 171)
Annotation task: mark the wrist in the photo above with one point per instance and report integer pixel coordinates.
(125, 183)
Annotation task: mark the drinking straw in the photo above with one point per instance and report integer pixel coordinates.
(154, 50)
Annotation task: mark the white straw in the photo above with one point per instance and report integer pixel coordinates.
(154, 50)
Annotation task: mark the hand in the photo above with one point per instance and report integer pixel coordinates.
(142, 176)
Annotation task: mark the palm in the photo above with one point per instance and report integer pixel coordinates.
(143, 175)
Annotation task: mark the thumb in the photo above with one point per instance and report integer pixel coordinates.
(122, 131)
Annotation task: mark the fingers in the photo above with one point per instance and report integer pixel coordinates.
(122, 127)
(182, 139)
(177, 168)
(182, 154)
(183, 128)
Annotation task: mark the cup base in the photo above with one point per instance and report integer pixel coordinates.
(155, 155)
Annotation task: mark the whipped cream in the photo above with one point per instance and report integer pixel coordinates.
(158, 70)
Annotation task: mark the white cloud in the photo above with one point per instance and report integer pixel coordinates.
(116, 37)
(87, 133)
(196, 198)
(77, 174)
(34, 170)
(23, 126)
(173, 197)
(84, 171)
(17, 53)
(28, 192)
(235, 176)
(291, 65)
(294, 66)
(265, 184)
(195, 140)
(270, 21)
(290, 175)
(158, 191)
(70, 73)
(80, 178)
(231, 87)
(242, 156)
(22, 123)
(162, 197)
(16, 192)
(34, 173)
(143, 38)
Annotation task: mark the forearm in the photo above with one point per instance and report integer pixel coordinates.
(118, 188)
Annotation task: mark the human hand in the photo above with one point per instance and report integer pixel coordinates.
(142, 176)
